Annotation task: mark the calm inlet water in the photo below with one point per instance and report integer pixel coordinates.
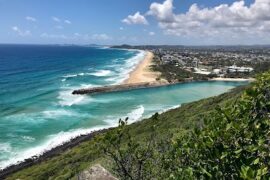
(38, 111)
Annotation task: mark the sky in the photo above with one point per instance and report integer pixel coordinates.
(137, 22)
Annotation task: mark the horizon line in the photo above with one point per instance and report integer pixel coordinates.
(93, 44)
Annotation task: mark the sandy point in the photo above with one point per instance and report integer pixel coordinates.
(143, 72)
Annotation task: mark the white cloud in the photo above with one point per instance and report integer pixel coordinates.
(29, 18)
(236, 19)
(67, 22)
(152, 33)
(77, 37)
(21, 32)
(163, 12)
(54, 36)
(85, 37)
(101, 37)
(56, 19)
(137, 18)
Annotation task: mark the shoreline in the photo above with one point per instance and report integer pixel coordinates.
(143, 73)
(232, 79)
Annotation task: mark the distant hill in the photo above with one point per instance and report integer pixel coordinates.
(210, 47)
(124, 46)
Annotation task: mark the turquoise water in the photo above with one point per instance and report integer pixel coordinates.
(38, 111)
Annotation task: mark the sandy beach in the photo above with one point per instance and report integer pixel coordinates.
(232, 79)
(142, 73)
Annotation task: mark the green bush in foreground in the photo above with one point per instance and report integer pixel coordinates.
(233, 143)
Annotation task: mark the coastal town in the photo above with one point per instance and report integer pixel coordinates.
(214, 62)
(183, 63)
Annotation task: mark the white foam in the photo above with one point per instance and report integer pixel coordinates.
(25, 118)
(87, 86)
(103, 47)
(70, 75)
(73, 75)
(98, 73)
(136, 114)
(133, 116)
(129, 65)
(163, 109)
(123, 70)
(170, 108)
(56, 113)
(28, 138)
(5, 148)
(66, 98)
(114, 79)
(101, 73)
(53, 141)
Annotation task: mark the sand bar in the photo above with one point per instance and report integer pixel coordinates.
(143, 73)
(232, 79)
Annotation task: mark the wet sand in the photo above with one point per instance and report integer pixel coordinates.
(232, 79)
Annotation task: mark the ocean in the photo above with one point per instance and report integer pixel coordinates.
(38, 111)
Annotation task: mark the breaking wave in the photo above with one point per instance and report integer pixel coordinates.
(101, 73)
(123, 70)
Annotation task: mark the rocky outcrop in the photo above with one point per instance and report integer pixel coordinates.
(96, 172)
(121, 87)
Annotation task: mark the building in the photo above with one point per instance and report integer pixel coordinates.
(217, 71)
(234, 68)
(167, 57)
(201, 71)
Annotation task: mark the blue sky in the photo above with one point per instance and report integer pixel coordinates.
(187, 22)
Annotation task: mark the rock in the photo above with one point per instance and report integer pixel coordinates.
(96, 172)
(121, 87)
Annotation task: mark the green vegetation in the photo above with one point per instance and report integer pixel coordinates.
(172, 73)
(223, 137)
